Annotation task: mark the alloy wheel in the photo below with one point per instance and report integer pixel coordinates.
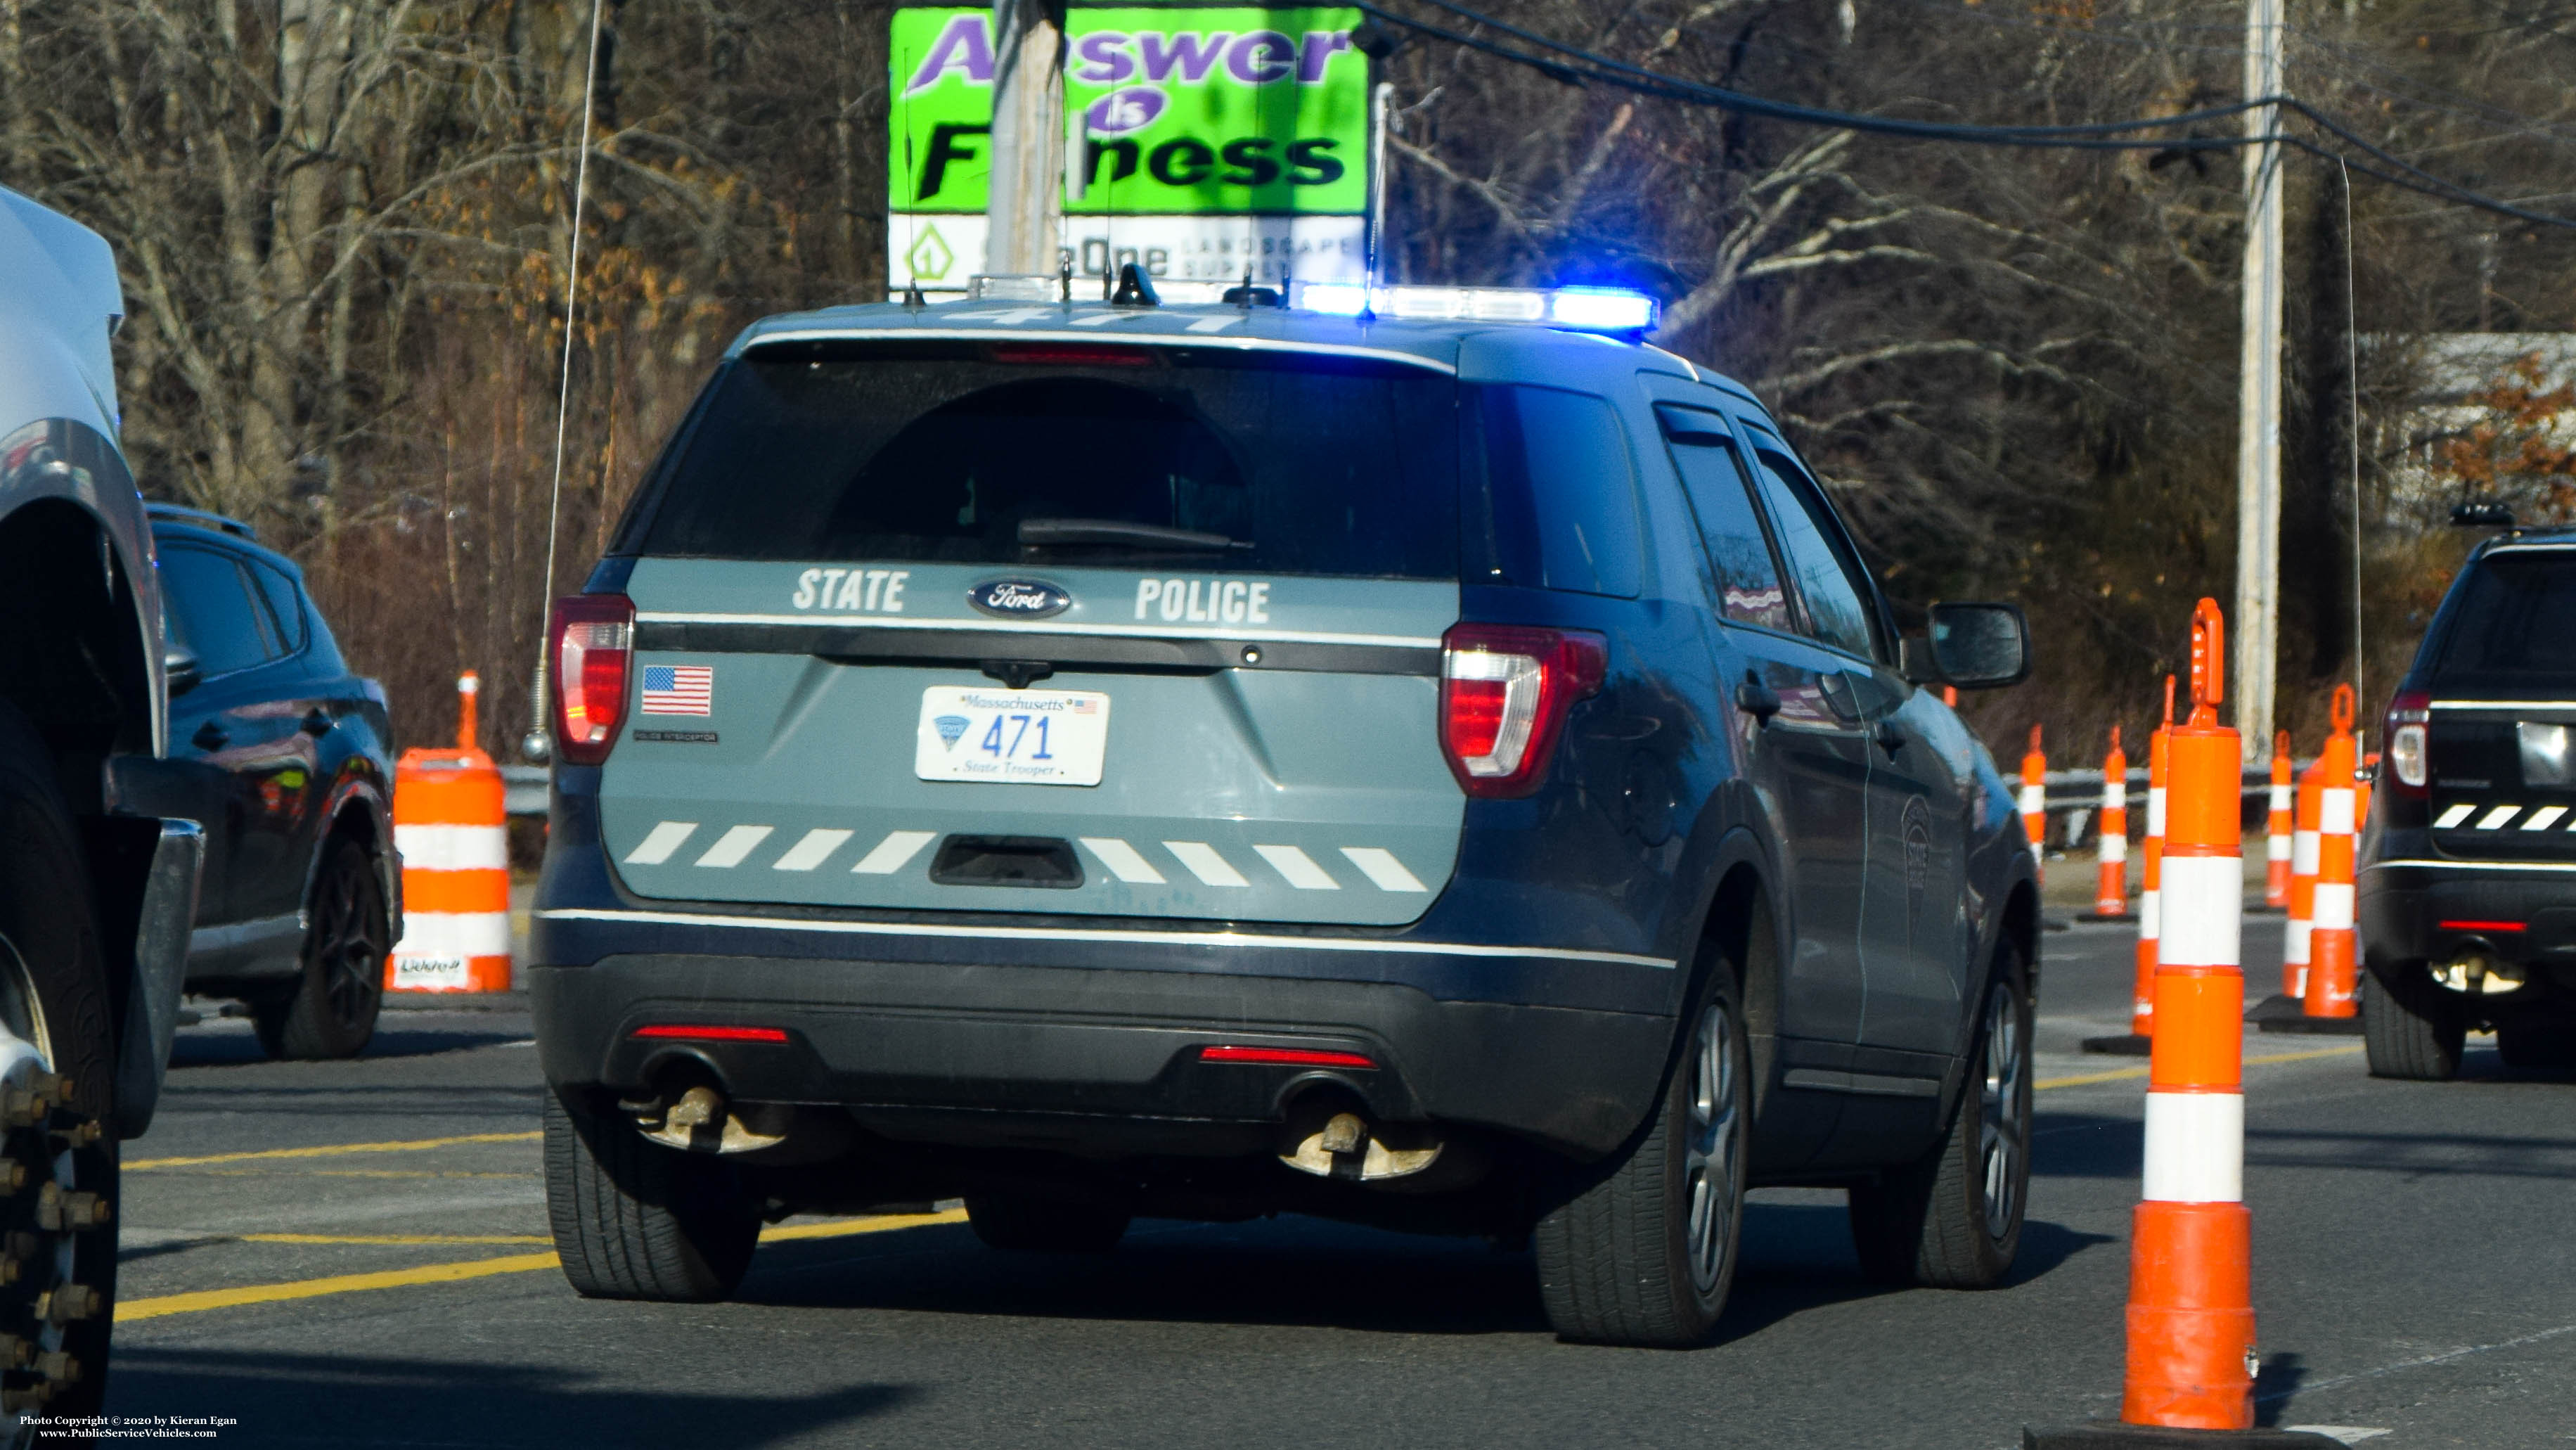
(2003, 1126)
(1711, 1161)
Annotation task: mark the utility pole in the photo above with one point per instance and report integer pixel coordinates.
(2257, 625)
(1020, 204)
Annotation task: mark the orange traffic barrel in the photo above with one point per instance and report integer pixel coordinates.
(451, 829)
(2333, 944)
(2151, 894)
(2111, 879)
(2278, 827)
(2034, 801)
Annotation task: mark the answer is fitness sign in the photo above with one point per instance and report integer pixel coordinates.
(1209, 143)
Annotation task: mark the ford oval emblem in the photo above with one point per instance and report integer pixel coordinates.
(1019, 599)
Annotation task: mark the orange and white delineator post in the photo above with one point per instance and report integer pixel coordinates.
(2111, 881)
(2333, 944)
(2191, 1299)
(450, 826)
(2142, 1016)
(2277, 828)
(2303, 882)
(2034, 803)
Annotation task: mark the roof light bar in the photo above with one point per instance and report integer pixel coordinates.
(1586, 309)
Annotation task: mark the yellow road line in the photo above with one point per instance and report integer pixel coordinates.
(411, 1145)
(432, 1239)
(2120, 1073)
(204, 1299)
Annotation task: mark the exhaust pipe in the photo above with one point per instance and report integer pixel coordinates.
(1332, 1141)
(703, 1122)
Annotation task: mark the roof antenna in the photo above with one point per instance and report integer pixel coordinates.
(1064, 275)
(1135, 288)
(912, 293)
(538, 744)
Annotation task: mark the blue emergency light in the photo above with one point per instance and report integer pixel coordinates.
(1586, 309)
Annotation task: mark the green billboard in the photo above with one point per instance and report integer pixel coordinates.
(1177, 112)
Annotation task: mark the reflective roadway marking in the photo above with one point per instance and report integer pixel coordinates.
(204, 1299)
(409, 1145)
(2119, 1074)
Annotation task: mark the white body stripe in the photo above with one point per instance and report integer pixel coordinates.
(1204, 863)
(453, 848)
(1299, 868)
(2334, 907)
(2115, 848)
(2294, 945)
(2334, 811)
(2156, 811)
(2454, 816)
(733, 845)
(454, 934)
(2280, 798)
(1380, 867)
(2204, 919)
(2151, 914)
(2303, 853)
(2034, 800)
(660, 842)
(2543, 818)
(2195, 1147)
(2115, 795)
(887, 856)
(1124, 861)
(1026, 626)
(1125, 938)
(2498, 817)
(2276, 846)
(809, 852)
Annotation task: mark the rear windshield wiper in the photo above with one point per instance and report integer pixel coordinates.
(1045, 532)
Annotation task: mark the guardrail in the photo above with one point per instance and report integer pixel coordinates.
(523, 789)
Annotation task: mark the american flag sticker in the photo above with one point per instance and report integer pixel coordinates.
(679, 689)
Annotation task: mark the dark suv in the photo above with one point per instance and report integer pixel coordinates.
(282, 755)
(2467, 879)
(1208, 761)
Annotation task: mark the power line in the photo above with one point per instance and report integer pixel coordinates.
(1579, 66)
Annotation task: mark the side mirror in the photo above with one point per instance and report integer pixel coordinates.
(1973, 646)
(179, 664)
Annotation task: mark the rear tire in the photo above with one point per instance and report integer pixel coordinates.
(1953, 1220)
(2414, 1030)
(1642, 1252)
(2544, 1049)
(331, 1010)
(54, 1005)
(1044, 1225)
(635, 1220)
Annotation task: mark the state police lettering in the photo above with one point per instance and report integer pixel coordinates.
(866, 591)
(1204, 601)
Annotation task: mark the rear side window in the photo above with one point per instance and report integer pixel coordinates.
(1829, 580)
(1279, 462)
(1563, 491)
(285, 603)
(1745, 580)
(2512, 622)
(214, 613)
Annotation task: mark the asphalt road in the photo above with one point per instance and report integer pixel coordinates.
(2413, 1254)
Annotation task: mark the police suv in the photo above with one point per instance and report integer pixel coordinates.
(2467, 881)
(1421, 757)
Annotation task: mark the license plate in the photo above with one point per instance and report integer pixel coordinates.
(1022, 737)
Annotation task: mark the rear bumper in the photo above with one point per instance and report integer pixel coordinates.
(2426, 909)
(1096, 1059)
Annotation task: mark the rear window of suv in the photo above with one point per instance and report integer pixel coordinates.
(939, 452)
(2511, 623)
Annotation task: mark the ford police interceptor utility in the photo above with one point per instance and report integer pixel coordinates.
(2467, 880)
(1439, 767)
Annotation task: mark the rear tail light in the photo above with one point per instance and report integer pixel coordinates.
(594, 637)
(2409, 718)
(1504, 692)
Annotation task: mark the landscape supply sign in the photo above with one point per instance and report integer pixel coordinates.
(1204, 142)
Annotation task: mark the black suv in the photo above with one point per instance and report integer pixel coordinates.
(1204, 761)
(2467, 879)
(283, 756)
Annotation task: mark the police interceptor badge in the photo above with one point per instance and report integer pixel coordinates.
(1019, 599)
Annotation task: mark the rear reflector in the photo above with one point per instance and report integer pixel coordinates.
(1284, 1057)
(709, 1032)
(2482, 926)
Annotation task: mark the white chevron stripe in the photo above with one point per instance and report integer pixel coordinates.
(1299, 868)
(660, 842)
(1381, 867)
(2454, 816)
(1124, 861)
(890, 853)
(2543, 818)
(2497, 817)
(1205, 863)
(733, 845)
(808, 853)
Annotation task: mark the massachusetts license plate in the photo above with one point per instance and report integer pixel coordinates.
(1025, 737)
